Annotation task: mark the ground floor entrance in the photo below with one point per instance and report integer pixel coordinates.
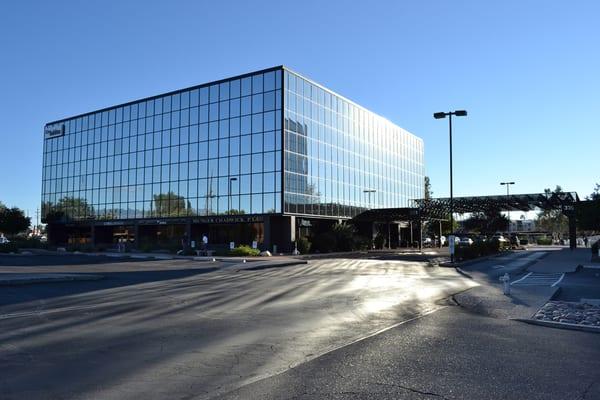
(275, 233)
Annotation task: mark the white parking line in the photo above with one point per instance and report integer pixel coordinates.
(517, 281)
(539, 279)
(558, 281)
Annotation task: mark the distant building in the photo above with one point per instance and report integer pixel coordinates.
(246, 159)
(523, 225)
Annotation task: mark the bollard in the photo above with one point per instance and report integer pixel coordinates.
(505, 279)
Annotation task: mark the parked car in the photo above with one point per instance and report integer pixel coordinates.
(499, 238)
(480, 239)
(466, 241)
(4, 240)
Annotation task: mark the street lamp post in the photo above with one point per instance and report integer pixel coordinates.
(369, 191)
(507, 184)
(229, 195)
(440, 115)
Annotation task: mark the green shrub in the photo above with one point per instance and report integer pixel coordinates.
(544, 241)
(379, 241)
(303, 245)
(344, 236)
(362, 243)
(29, 243)
(10, 247)
(244, 250)
(325, 242)
(480, 249)
(82, 247)
(146, 247)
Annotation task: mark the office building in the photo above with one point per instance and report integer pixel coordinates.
(253, 158)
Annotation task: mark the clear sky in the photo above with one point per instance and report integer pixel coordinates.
(528, 72)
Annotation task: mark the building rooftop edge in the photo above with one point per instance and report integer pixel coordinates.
(285, 67)
(277, 67)
(166, 94)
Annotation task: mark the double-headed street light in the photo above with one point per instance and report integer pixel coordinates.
(369, 191)
(449, 114)
(507, 184)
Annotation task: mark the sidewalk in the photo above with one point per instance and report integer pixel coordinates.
(523, 301)
(563, 260)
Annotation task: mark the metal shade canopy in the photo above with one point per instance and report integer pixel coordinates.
(514, 202)
(439, 208)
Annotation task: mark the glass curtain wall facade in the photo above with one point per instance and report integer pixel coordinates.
(335, 150)
(268, 145)
(213, 149)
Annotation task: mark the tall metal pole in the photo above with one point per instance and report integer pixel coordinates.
(439, 115)
(507, 184)
(507, 198)
(451, 191)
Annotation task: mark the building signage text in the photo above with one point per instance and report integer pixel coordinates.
(54, 131)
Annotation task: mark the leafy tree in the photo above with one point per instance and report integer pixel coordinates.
(588, 212)
(588, 215)
(13, 221)
(595, 194)
(427, 186)
(487, 222)
(170, 205)
(430, 228)
(553, 221)
(344, 235)
(66, 208)
(234, 211)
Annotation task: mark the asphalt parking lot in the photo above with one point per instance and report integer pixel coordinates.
(186, 329)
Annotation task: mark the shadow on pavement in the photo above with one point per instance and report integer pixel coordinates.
(61, 259)
(40, 291)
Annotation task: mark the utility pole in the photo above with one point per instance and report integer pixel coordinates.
(507, 184)
(440, 115)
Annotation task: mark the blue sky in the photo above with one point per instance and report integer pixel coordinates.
(528, 72)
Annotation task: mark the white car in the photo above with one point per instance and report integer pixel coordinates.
(4, 240)
(466, 241)
(499, 238)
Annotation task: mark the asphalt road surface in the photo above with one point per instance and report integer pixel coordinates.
(448, 354)
(177, 330)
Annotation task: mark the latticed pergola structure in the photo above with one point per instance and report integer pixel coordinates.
(439, 208)
(515, 202)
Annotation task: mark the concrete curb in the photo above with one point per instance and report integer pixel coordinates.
(559, 325)
(463, 273)
(331, 255)
(18, 281)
